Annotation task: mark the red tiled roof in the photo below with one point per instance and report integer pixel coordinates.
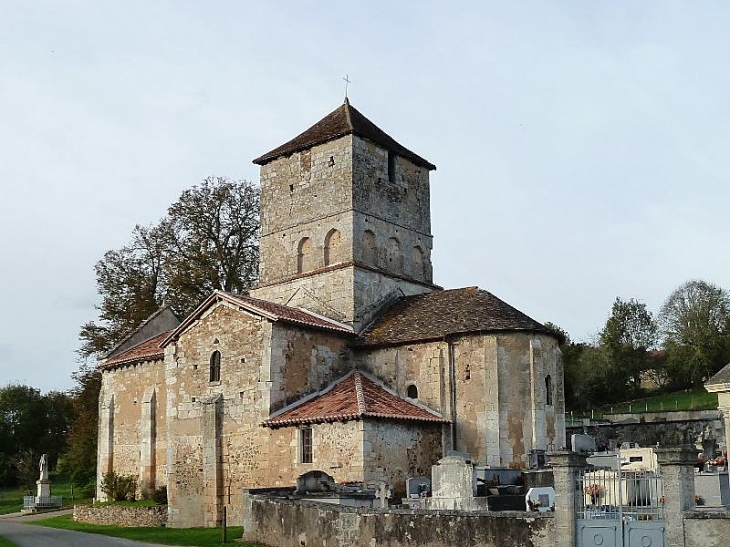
(149, 350)
(434, 315)
(353, 397)
(344, 120)
(289, 314)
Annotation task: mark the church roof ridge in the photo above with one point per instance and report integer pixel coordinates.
(270, 310)
(344, 120)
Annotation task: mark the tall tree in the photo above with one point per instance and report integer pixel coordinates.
(31, 424)
(80, 459)
(628, 335)
(695, 324)
(211, 237)
(208, 240)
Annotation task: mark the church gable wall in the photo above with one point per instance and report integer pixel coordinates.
(330, 294)
(214, 434)
(394, 451)
(304, 361)
(420, 365)
(130, 387)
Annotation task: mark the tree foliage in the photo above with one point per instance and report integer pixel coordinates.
(80, 459)
(628, 335)
(31, 424)
(208, 240)
(695, 324)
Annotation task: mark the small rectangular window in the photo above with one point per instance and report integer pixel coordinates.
(391, 166)
(305, 445)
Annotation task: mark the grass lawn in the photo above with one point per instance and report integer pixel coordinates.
(6, 542)
(11, 500)
(201, 537)
(697, 399)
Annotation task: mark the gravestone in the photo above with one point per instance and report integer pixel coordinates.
(416, 486)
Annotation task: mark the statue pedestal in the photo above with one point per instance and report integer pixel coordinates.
(44, 488)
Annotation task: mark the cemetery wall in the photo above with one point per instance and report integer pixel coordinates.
(293, 523)
(114, 515)
(667, 429)
(706, 529)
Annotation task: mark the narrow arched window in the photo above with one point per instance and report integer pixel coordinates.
(395, 258)
(548, 390)
(332, 247)
(418, 270)
(412, 392)
(369, 249)
(215, 367)
(304, 255)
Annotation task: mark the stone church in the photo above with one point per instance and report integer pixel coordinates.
(346, 357)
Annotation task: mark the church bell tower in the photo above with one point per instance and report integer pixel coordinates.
(345, 220)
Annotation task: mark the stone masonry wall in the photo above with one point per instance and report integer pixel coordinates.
(343, 188)
(131, 386)
(114, 515)
(501, 400)
(706, 529)
(306, 190)
(394, 451)
(218, 448)
(289, 523)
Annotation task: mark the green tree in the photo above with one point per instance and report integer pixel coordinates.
(628, 335)
(80, 458)
(31, 424)
(695, 324)
(208, 240)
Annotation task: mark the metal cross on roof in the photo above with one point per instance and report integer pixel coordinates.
(347, 83)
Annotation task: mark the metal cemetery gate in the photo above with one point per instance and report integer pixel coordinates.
(619, 509)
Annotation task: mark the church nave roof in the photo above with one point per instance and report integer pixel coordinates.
(438, 314)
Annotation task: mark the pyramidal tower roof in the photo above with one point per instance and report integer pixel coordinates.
(345, 120)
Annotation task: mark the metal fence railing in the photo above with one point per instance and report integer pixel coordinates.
(31, 502)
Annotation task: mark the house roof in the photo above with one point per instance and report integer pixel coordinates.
(439, 314)
(353, 397)
(720, 381)
(344, 120)
(263, 308)
(149, 350)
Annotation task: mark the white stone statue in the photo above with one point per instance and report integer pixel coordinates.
(43, 467)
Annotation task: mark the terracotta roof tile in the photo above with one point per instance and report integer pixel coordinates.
(345, 120)
(353, 397)
(288, 314)
(149, 350)
(438, 314)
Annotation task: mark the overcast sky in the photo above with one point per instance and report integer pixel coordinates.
(582, 147)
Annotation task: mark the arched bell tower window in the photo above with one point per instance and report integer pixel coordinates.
(548, 390)
(419, 271)
(412, 392)
(332, 247)
(304, 255)
(395, 258)
(215, 367)
(369, 249)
